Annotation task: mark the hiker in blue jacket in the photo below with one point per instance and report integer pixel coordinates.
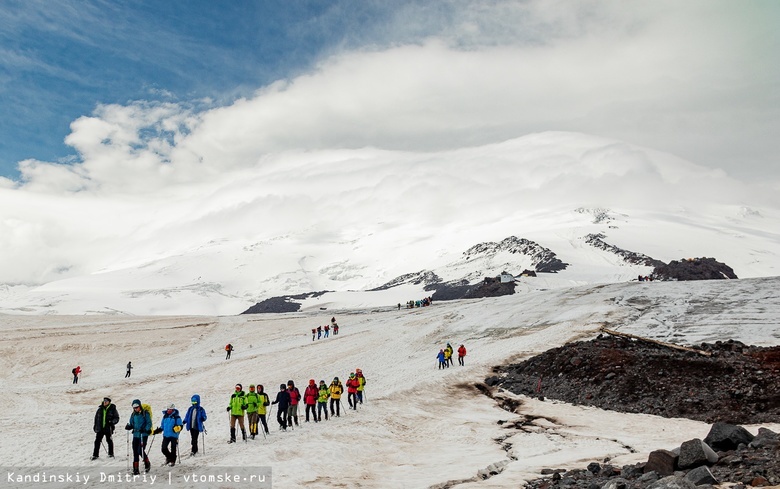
(440, 356)
(141, 425)
(193, 421)
(170, 426)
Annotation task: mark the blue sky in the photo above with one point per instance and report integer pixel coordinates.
(59, 60)
(236, 80)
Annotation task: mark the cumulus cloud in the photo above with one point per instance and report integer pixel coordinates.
(399, 128)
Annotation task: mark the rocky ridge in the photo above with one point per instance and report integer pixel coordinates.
(597, 241)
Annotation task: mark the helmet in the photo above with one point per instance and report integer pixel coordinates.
(351, 375)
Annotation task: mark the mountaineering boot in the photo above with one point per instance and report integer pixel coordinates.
(94, 457)
(232, 435)
(243, 434)
(135, 468)
(147, 465)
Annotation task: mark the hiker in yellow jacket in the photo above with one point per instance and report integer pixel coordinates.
(336, 389)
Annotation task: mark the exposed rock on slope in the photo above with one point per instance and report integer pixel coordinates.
(542, 259)
(281, 304)
(694, 269)
(736, 384)
(597, 241)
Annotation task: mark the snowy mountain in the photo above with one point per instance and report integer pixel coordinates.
(357, 222)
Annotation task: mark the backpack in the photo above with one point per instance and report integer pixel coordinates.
(148, 409)
(228, 347)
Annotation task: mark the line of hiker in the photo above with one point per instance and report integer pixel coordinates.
(319, 401)
(317, 333)
(445, 356)
(140, 426)
(426, 301)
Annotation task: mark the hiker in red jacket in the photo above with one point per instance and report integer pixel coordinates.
(310, 399)
(295, 397)
(76, 371)
(352, 386)
(461, 354)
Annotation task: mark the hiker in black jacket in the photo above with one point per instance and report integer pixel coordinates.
(105, 419)
(283, 399)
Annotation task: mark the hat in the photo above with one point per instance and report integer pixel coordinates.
(251, 386)
(358, 371)
(322, 381)
(106, 399)
(172, 406)
(239, 386)
(290, 382)
(282, 386)
(136, 403)
(335, 379)
(352, 375)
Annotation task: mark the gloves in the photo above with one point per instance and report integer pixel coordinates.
(244, 406)
(158, 431)
(227, 409)
(128, 427)
(176, 429)
(149, 432)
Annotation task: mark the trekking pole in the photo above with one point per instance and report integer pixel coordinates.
(178, 453)
(104, 447)
(128, 451)
(150, 444)
(262, 429)
(204, 440)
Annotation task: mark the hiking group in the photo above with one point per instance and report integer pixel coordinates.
(317, 333)
(445, 356)
(140, 426)
(318, 399)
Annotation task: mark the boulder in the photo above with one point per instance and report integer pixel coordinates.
(724, 437)
(701, 476)
(662, 462)
(765, 438)
(694, 453)
(672, 482)
(616, 483)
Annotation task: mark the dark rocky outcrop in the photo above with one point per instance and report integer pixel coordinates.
(285, 303)
(736, 384)
(490, 287)
(694, 269)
